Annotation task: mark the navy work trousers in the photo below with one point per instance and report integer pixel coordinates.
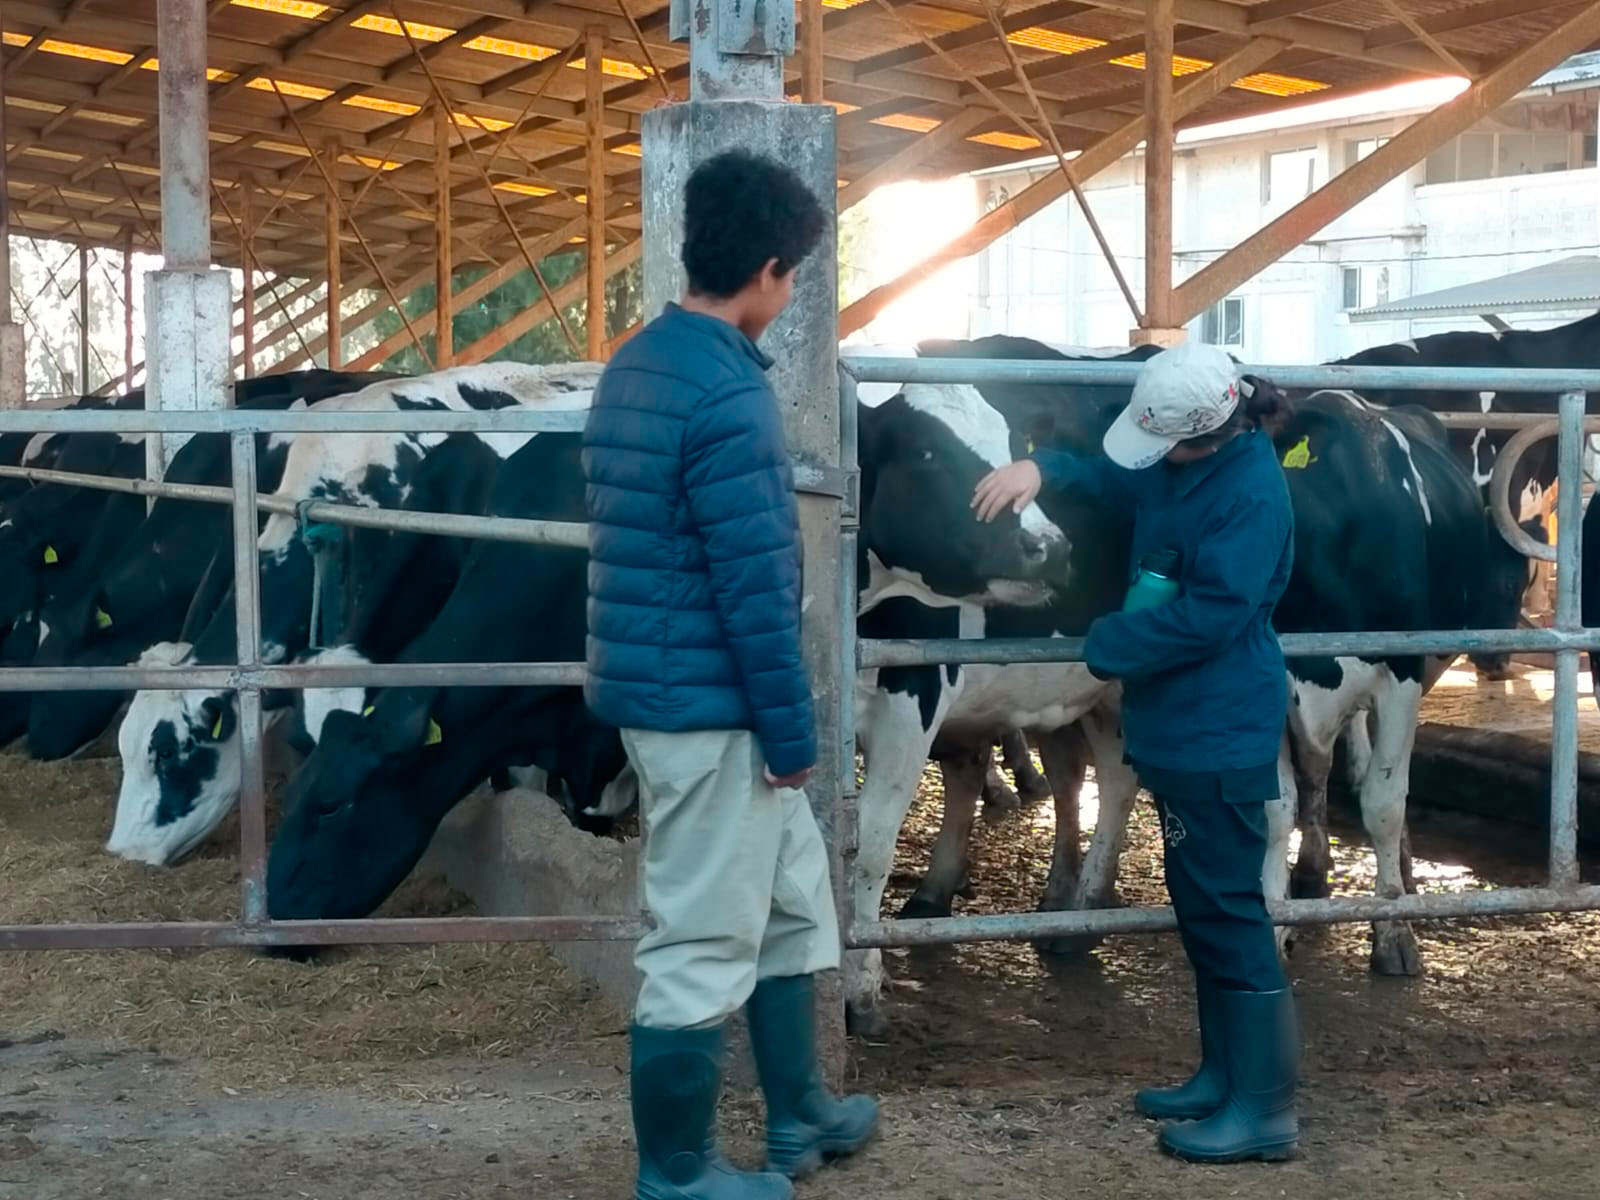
(1214, 832)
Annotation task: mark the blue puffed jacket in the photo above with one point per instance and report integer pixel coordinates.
(694, 543)
(1203, 681)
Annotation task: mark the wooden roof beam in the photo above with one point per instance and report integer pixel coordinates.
(1341, 41)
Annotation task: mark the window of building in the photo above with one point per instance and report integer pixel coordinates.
(1362, 287)
(1530, 137)
(1288, 175)
(1352, 288)
(1223, 323)
(1356, 150)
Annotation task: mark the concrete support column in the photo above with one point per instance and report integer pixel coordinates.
(188, 306)
(736, 100)
(13, 360)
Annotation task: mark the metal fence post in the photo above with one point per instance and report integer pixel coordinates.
(247, 615)
(1569, 619)
(843, 834)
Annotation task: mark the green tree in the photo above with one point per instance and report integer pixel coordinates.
(545, 343)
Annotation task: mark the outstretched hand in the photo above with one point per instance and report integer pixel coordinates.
(1014, 485)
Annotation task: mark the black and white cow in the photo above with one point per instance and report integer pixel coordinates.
(1415, 518)
(1576, 346)
(53, 538)
(926, 569)
(179, 748)
(138, 590)
(362, 810)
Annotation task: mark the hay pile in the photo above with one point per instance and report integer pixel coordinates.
(365, 1016)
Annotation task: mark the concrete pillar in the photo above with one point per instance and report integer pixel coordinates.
(13, 361)
(188, 306)
(737, 55)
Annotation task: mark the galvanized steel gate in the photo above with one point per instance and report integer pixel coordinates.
(835, 797)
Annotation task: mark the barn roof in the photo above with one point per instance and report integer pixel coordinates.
(1568, 283)
(293, 77)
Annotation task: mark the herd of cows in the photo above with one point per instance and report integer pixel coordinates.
(1392, 534)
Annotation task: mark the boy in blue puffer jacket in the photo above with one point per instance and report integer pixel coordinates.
(694, 653)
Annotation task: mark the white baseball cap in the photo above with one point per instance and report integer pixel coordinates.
(1185, 392)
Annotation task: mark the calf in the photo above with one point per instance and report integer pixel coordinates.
(168, 802)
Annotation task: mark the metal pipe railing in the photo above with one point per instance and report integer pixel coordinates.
(1113, 372)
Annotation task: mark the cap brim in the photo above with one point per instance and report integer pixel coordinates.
(1131, 447)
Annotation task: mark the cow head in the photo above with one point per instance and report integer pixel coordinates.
(180, 767)
(922, 453)
(350, 832)
(361, 811)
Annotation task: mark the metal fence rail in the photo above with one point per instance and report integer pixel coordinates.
(250, 676)
(1566, 641)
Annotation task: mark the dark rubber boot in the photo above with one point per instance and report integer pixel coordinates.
(677, 1080)
(1257, 1120)
(806, 1124)
(1206, 1089)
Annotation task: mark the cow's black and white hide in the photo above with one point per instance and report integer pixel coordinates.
(360, 813)
(137, 591)
(1572, 346)
(179, 749)
(928, 568)
(54, 538)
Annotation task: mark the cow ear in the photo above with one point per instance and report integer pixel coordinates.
(217, 719)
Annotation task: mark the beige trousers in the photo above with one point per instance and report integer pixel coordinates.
(735, 877)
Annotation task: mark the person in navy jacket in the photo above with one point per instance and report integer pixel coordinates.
(1205, 697)
(694, 654)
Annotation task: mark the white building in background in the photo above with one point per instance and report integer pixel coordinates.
(1519, 190)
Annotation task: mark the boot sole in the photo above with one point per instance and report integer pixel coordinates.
(1271, 1152)
(820, 1155)
(1157, 1112)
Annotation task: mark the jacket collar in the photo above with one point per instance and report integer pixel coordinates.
(1191, 475)
(731, 335)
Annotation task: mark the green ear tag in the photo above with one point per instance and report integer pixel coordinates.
(367, 711)
(216, 730)
(102, 619)
(1298, 456)
(435, 734)
(50, 556)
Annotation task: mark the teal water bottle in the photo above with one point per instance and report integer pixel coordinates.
(1156, 582)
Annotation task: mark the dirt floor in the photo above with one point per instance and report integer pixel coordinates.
(465, 1072)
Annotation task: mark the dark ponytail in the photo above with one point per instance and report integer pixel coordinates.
(1262, 405)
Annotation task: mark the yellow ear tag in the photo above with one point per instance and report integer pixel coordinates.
(1298, 456)
(102, 619)
(367, 711)
(216, 730)
(435, 734)
(50, 556)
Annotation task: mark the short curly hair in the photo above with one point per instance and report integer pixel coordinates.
(741, 211)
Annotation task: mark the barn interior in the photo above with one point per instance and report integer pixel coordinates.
(352, 158)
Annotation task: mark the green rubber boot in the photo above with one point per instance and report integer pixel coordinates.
(806, 1124)
(1257, 1120)
(1206, 1089)
(677, 1080)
